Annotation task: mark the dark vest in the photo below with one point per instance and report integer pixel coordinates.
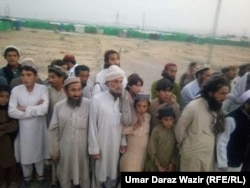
(9, 75)
(236, 148)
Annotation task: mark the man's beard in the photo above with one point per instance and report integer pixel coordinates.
(213, 104)
(171, 79)
(84, 84)
(74, 102)
(115, 94)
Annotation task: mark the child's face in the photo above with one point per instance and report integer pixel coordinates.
(4, 98)
(141, 107)
(167, 121)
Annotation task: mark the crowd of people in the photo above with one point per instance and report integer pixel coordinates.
(89, 133)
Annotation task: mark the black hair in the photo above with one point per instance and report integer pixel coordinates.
(213, 84)
(164, 84)
(5, 88)
(58, 62)
(136, 101)
(192, 64)
(11, 49)
(55, 72)
(133, 79)
(106, 57)
(81, 68)
(242, 69)
(28, 68)
(200, 72)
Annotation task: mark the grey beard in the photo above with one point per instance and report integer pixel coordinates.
(74, 102)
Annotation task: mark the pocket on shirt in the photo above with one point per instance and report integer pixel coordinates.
(82, 122)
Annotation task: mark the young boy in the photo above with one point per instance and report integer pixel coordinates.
(8, 129)
(162, 151)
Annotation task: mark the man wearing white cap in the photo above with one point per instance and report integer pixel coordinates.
(233, 145)
(68, 136)
(191, 90)
(29, 104)
(12, 69)
(105, 129)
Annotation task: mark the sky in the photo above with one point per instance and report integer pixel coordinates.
(189, 16)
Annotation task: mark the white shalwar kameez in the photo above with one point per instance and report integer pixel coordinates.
(68, 137)
(31, 143)
(105, 135)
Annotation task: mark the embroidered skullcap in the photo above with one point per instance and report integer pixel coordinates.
(8, 47)
(142, 96)
(168, 65)
(59, 70)
(166, 111)
(114, 72)
(201, 67)
(71, 80)
(244, 97)
(30, 63)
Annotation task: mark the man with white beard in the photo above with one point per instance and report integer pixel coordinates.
(68, 136)
(105, 129)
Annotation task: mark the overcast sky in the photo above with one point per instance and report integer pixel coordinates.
(193, 16)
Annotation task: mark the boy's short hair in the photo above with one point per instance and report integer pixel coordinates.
(166, 111)
(164, 84)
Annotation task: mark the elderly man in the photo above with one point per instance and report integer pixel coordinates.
(105, 129)
(169, 72)
(68, 136)
(12, 69)
(191, 90)
(199, 123)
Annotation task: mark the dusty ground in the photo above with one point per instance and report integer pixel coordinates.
(145, 57)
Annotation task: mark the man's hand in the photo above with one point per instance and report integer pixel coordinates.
(41, 101)
(123, 149)
(96, 156)
(56, 158)
(21, 108)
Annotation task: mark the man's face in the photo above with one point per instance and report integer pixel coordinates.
(205, 76)
(114, 59)
(12, 58)
(141, 107)
(74, 91)
(4, 98)
(84, 76)
(231, 74)
(167, 122)
(216, 99)
(55, 80)
(221, 94)
(115, 86)
(65, 67)
(28, 78)
(171, 72)
(134, 89)
(164, 95)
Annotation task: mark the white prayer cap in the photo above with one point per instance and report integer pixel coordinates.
(201, 67)
(244, 97)
(71, 80)
(114, 72)
(30, 63)
(8, 47)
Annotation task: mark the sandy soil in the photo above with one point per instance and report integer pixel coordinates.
(145, 57)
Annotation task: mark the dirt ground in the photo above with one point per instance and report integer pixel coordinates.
(145, 57)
